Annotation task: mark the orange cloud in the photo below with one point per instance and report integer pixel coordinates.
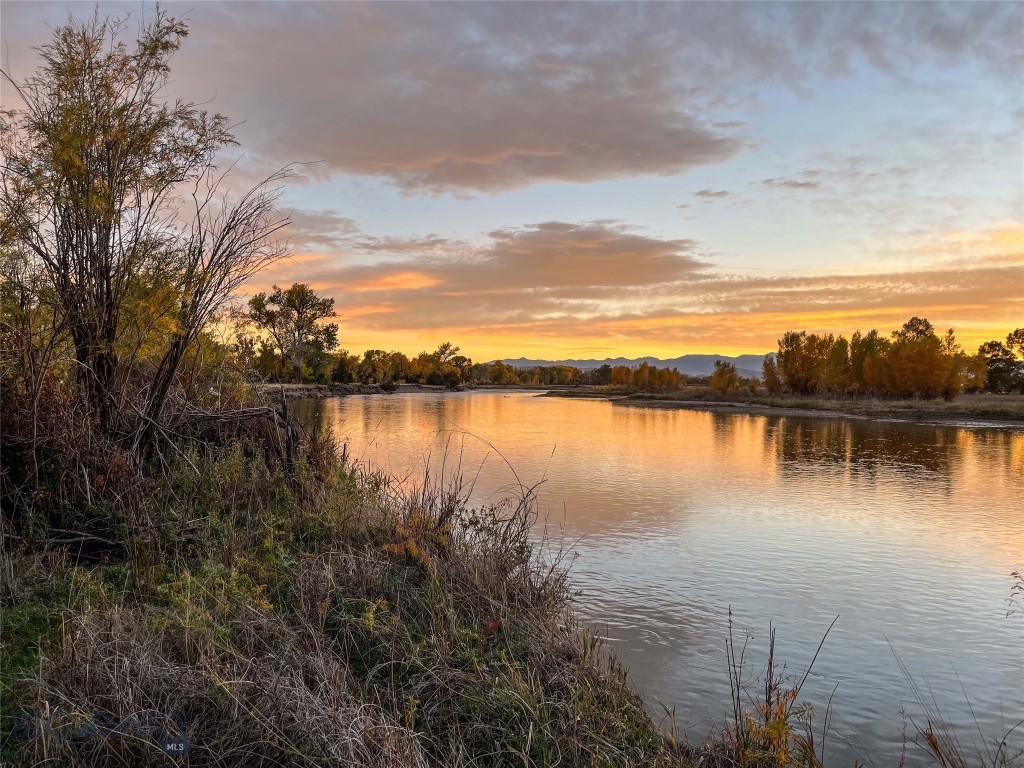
(398, 281)
(563, 290)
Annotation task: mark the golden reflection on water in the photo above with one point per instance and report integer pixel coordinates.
(908, 532)
(585, 459)
(585, 452)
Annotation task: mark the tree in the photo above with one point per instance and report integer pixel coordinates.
(915, 329)
(802, 359)
(1015, 341)
(92, 166)
(869, 368)
(975, 373)
(346, 369)
(920, 363)
(501, 373)
(725, 378)
(375, 367)
(1000, 366)
(292, 318)
(601, 375)
(770, 375)
(837, 367)
(446, 353)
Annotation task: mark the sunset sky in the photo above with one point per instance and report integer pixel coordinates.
(591, 180)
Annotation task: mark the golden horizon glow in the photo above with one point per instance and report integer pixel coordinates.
(970, 281)
(515, 180)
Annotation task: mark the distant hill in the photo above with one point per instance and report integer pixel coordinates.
(747, 366)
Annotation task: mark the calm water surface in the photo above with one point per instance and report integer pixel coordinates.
(907, 533)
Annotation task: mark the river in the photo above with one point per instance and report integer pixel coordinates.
(907, 533)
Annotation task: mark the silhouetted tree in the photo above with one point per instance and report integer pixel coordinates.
(770, 375)
(1000, 366)
(346, 368)
(292, 318)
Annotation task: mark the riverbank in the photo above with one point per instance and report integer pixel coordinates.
(983, 409)
(323, 615)
(294, 391)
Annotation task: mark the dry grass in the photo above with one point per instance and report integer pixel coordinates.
(339, 619)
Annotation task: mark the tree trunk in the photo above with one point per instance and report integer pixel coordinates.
(96, 371)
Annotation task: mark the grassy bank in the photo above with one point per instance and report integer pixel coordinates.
(330, 618)
(981, 407)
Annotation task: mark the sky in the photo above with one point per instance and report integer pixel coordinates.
(557, 180)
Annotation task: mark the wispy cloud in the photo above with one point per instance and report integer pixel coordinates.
(781, 183)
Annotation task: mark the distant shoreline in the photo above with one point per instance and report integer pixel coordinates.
(967, 410)
(344, 390)
(984, 410)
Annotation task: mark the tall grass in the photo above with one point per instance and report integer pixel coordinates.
(334, 617)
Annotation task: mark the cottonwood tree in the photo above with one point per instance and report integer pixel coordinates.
(293, 318)
(923, 364)
(1002, 368)
(105, 182)
(802, 359)
(1015, 341)
(869, 366)
(770, 375)
(725, 378)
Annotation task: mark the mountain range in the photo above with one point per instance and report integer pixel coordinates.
(747, 366)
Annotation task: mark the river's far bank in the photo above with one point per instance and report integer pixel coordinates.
(976, 409)
(981, 409)
(276, 391)
(291, 391)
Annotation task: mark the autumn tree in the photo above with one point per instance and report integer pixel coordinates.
(801, 360)
(445, 366)
(445, 353)
(836, 375)
(725, 378)
(770, 375)
(869, 368)
(501, 373)
(97, 163)
(293, 318)
(921, 364)
(976, 373)
(375, 367)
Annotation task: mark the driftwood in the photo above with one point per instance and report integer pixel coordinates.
(86, 547)
(81, 547)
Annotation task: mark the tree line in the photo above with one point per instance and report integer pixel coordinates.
(282, 337)
(914, 361)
